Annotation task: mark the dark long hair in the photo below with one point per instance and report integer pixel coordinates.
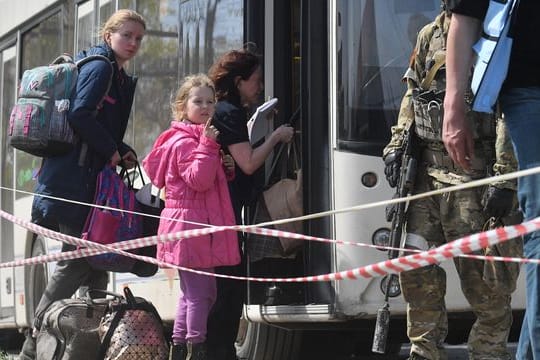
(227, 68)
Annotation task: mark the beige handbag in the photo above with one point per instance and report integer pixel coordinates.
(282, 200)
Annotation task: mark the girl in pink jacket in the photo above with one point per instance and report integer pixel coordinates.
(187, 161)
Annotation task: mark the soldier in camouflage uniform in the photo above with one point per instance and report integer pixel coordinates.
(434, 221)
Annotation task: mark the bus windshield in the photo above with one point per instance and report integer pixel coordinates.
(374, 43)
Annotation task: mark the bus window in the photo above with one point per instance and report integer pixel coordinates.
(9, 83)
(208, 29)
(85, 25)
(125, 4)
(105, 10)
(156, 67)
(375, 40)
(87, 33)
(42, 43)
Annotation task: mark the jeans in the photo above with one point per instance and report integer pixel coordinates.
(196, 299)
(521, 109)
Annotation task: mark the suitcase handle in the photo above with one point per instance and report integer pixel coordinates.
(87, 295)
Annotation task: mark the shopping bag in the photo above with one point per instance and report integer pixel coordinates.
(282, 200)
(107, 225)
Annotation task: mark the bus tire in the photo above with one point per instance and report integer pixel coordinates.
(262, 341)
(37, 278)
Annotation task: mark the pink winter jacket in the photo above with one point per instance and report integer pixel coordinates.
(188, 165)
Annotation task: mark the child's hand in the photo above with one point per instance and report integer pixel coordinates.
(210, 131)
(228, 162)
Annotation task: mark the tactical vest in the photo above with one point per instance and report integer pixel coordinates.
(428, 96)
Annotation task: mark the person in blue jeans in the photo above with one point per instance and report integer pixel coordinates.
(519, 101)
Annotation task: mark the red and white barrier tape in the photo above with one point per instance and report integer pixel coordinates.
(389, 266)
(455, 248)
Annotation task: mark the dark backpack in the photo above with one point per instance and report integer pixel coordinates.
(38, 123)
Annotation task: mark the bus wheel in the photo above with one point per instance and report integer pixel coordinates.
(37, 278)
(262, 341)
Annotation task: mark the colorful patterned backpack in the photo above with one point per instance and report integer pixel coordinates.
(38, 123)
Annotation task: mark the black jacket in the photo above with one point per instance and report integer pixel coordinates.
(231, 121)
(73, 176)
(524, 68)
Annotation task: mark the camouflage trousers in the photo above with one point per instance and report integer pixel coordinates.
(437, 220)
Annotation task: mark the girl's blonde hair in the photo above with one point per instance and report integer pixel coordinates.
(118, 19)
(178, 106)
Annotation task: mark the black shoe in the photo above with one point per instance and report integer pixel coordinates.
(28, 351)
(178, 352)
(196, 351)
(221, 353)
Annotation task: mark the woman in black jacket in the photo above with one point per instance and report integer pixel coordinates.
(100, 123)
(237, 76)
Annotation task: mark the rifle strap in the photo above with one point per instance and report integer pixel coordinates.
(440, 59)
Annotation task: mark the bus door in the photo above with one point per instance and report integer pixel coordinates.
(294, 38)
(340, 63)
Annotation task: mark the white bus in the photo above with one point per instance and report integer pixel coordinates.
(337, 62)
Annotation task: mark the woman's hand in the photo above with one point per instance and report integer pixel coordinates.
(129, 160)
(210, 131)
(228, 162)
(284, 133)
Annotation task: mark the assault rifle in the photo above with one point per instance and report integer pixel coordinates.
(405, 188)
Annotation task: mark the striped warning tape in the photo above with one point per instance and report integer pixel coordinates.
(460, 247)
(450, 250)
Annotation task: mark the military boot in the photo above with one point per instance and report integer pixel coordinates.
(196, 351)
(415, 356)
(178, 352)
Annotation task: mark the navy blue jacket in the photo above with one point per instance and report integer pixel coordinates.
(73, 176)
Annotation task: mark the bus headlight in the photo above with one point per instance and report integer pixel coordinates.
(381, 237)
(394, 289)
(369, 179)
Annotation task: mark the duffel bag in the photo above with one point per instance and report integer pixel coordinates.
(69, 329)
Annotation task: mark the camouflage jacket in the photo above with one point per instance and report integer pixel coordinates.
(491, 138)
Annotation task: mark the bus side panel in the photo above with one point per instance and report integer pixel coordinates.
(364, 296)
